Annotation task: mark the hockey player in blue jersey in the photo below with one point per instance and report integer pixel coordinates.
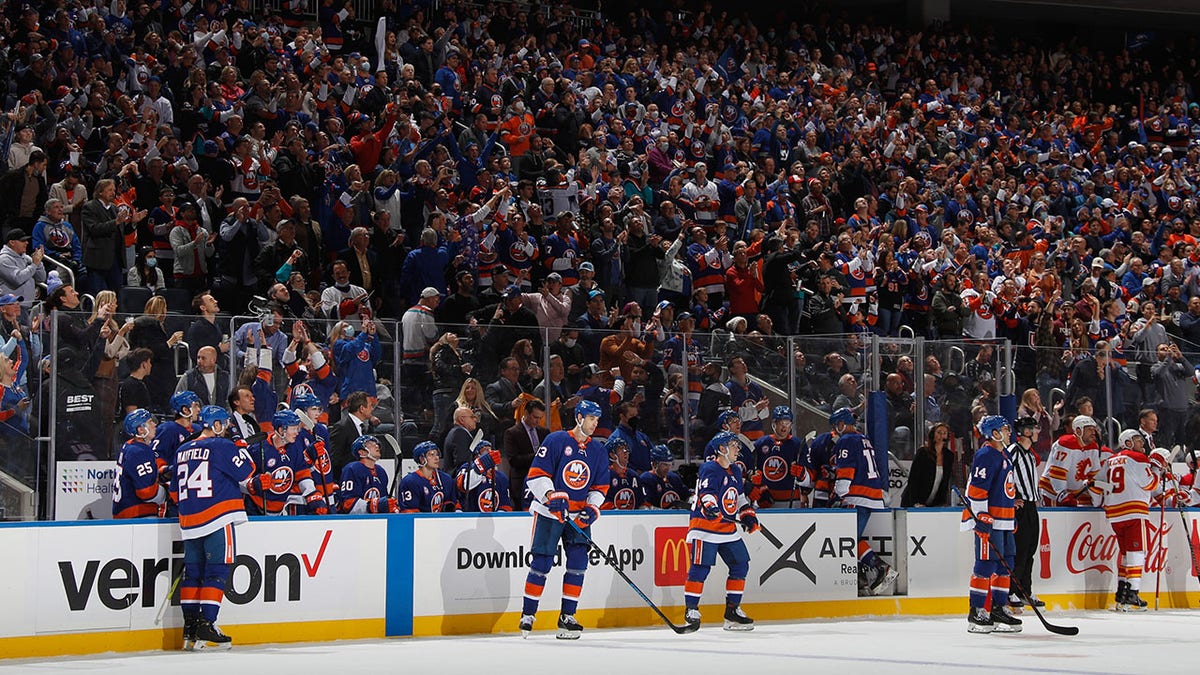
(859, 485)
(284, 475)
(720, 506)
(314, 438)
(729, 421)
(428, 489)
(778, 462)
(625, 490)
(482, 486)
(662, 488)
(568, 479)
(992, 494)
(170, 435)
(822, 466)
(210, 475)
(364, 485)
(137, 491)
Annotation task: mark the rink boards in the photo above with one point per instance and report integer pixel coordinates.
(96, 587)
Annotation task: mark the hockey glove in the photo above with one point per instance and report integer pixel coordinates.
(1066, 498)
(260, 484)
(487, 461)
(749, 520)
(798, 471)
(557, 503)
(587, 517)
(983, 523)
(164, 477)
(709, 507)
(757, 479)
(450, 507)
(317, 504)
(383, 505)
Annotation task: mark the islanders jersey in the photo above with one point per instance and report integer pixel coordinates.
(742, 398)
(167, 439)
(291, 476)
(1133, 485)
(991, 489)
(774, 457)
(822, 466)
(1068, 469)
(316, 454)
(419, 494)
(662, 493)
(564, 463)
(136, 493)
(624, 490)
(726, 486)
(479, 494)
(360, 484)
(206, 484)
(858, 481)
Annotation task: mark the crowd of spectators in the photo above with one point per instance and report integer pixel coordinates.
(656, 200)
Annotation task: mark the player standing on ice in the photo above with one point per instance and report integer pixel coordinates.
(992, 494)
(720, 505)
(568, 479)
(859, 485)
(211, 474)
(137, 492)
(1131, 475)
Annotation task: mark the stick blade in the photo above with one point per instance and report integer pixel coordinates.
(685, 628)
(1062, 630)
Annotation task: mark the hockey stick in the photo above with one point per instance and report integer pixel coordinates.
(1058, 630)
(679, 630)
(1187, 535)
(167, 600)
(1162, 520)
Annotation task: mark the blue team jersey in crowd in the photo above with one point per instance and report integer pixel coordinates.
(136, 484)
(419, 494)
(360, 484)
(206, 484)
(567, 464)
(727, 487)
(660, 493)
(859, 480)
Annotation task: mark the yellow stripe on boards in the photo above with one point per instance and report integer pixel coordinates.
(61, 644)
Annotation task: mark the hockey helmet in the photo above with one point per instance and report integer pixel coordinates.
(1127, 437)
(724, 438)
(1024, 423)
(615, 443)
(587, 408)
(1082, 422)
(284, 419)
(135, 420)
(781, 412)
(306, 400)
(423, 448)
(360, 443)
(841, 416)
(182, 401)
(992, 423)
(211, 414)
(483, 448)
(726, 417)
(660, 453)
(1161, 458)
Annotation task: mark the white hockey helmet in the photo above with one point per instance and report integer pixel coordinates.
(1082, 422)
(1161, 458)
(1127, 436)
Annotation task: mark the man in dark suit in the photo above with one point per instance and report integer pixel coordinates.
(242, 422)
(209, 211)
(104, 228)
(521, 441)
(456, 451)
(361, 262)
(355, 421)
(504, 395)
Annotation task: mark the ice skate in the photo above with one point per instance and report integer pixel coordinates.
(979, 621)
(208, 636)
(736, 619)
(189, 633)
(885, 578)
(568, 627)
(526, 625)
(692, 617)
(1004, 621)
(1016, 604)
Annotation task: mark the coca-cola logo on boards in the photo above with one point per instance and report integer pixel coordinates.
(1090, 551)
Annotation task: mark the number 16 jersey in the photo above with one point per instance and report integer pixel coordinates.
(859, 480)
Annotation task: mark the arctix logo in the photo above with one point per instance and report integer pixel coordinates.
(793, 556)
(120, 583)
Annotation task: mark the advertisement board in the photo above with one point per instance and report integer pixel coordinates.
(478, 565)
(83, 490)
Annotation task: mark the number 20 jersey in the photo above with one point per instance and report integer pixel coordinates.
(207, 485)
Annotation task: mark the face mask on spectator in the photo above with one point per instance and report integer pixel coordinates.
(348, 332)
(151, 262)
(570, 342)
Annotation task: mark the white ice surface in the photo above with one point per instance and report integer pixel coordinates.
(1122, 644)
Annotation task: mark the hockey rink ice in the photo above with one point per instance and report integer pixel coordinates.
(1108, 642)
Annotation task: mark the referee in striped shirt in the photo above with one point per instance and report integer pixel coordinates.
(1025, 476)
